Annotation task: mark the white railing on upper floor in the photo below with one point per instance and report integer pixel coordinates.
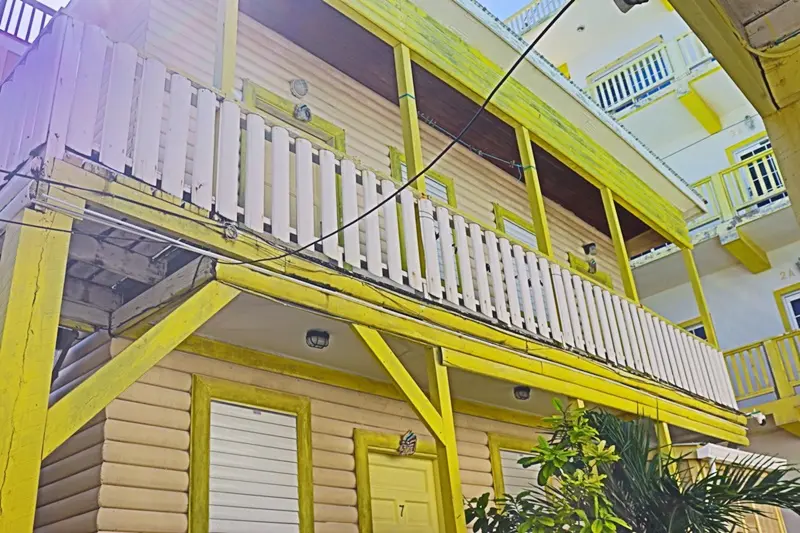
(24, 19)
(79, 92)
(534, 15)
(646, 73)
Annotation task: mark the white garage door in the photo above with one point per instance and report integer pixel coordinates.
(253, 471)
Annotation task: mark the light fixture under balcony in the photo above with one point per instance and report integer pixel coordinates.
(318, 339)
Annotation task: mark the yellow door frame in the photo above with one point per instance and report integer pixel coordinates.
(437, 415)
(33, 268)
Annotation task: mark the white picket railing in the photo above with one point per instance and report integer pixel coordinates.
(24, 19)
(534, 15)
(136, 117)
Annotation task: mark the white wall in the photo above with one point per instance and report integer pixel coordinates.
(742, 304)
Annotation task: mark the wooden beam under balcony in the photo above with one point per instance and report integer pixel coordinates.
(116, 259)
(742, 247)
(700, 110)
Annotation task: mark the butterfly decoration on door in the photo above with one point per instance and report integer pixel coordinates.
(408, 444)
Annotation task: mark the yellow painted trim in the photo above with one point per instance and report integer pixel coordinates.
(353, 301)
(225, 67)
(778, 295)
(413, 394)
(447, 448)
(261, 99)
(443, 53)
(665, 443)
(398, 158)
(501, 214)
(655, 42)
(319, 374)
(412, 143)
(780, 375)
(535, 197)
(667, 5)
(204, 390)
(700, 297)
(499, 442)
(623, 261)
(700, 110)
(564, 69)
(747, 252)
(33, 266)
(731, 150)
(696, 321)
(385, 443)
(72, 411)
(613, 396)
(576, 263)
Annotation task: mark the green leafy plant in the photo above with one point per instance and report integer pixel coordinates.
(599, 474)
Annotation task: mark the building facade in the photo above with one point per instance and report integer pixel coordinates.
(661, 82)
(257, 324)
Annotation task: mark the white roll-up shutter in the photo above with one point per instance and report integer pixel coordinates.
(253, 485)
(515, 478)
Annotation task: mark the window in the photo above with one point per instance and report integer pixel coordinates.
(761, 176)
(791, 303)
(250, 457)
(438, 187)
(695, 327)
(520, 231)
(261, 99)
(508, 476)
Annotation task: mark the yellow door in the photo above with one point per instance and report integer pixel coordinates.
(404, 497)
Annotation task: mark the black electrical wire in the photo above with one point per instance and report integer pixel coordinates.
(455, 140)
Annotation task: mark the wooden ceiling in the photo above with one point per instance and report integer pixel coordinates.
(337, 40)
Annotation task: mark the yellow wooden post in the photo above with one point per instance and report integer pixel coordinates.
(665, 442)
(535, 198)
(412, 144)
(726, 211)
(699, 296)
(227, 29)
(618, 239)
(780, 375)
(32, 271)
(446, 449)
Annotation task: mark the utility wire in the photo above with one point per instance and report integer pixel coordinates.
(455, 140)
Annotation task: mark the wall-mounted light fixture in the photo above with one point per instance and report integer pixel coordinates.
(522, 393)
(318, 339)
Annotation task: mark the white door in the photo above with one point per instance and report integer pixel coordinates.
(761, 176)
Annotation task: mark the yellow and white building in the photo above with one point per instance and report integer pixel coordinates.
(173, 358)
(662, 83)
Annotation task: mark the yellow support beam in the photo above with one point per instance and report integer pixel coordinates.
(408, 113)
(227, 30)
(535, 198)
(700, 297)
(446, 450)
(665, 443)
(699, 108)
(32, 272)
(70, 413)
(618, 239)
(748, 253)
(784, 134)
(412, 392)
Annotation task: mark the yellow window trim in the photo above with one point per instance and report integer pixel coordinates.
(741, 144)
(385, 443)
(501, 214)
(779, 294)
(204, 390)
(398, 158)
(261, 99)
(499, 442)
(582, 266)
(686, 324)
(602, 71)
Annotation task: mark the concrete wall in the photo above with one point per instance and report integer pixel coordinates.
(742, 304)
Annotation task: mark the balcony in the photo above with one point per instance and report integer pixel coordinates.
(649, 72)
(765, 371)
(183, 140)
(533, 15)
(24, 19)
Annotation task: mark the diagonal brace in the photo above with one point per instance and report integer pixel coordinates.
(70, 413)
(412, 392)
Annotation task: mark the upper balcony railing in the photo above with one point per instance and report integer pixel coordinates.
(648, 71)
(534, 15)
(739, 189)
(24, 19)
(766, 370)
(138, 118)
